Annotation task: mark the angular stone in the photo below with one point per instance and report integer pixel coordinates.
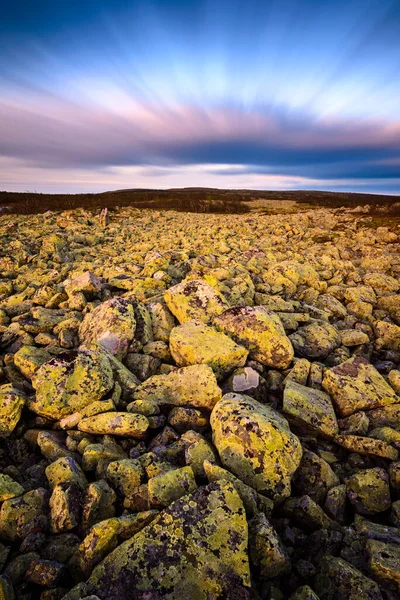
(356, 385)
(169, 486)
(63, 470)
(12, 402)
(199, 544)
(29, 359)
(115, 423)
(112, 325)
(19, 516)
(194, 300)
(366, 445)
(387, 416)
(315, 340)
(189, 386)
(260, 331)
(352, 337)
(309, 410)
(255, 443)
(306, 513)
(100, 541)
(368, 491)
(88, 283)
(70, 382)
(125, 475)
(98, 503)
(9, 488)
(65, 507)
(339, 579)
(196, 343)
(46, 573)
(314, 477)
(384, 562)
(266, 551)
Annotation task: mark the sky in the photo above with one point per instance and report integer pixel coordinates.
(100, 95)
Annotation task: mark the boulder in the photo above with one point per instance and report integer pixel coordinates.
(316, 340)
(194, 300)
(196, 343)
(12, 401)
(194, 386)
(112, 325)
(254, 441)
(309, 410)
(260, 331)
(70, 382)
(196, 548)
(356, 385)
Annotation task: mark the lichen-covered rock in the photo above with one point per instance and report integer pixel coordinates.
(125, 475)
(366, 445)
(12, 401)
(65, 470)
(197, 548)
(29, 359)
(339, 579)
(196, 343)
(101, 539)
(306, 513)
(356, 385)
(70, 382)
(384, 562)
(352, 337)
(194, 300)
(65, 507)
(266, 551)
(260, 331)
(316, 340)
(314, 477)
(9, 488)
(19, 516)
(169, 486)
(309, 410)
(255, 442)
(88, 283)
(189, 386)
(368, 491)
(112, 325)
(98, 503)
(115, 423)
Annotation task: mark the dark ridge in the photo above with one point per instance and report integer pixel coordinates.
(202, 200)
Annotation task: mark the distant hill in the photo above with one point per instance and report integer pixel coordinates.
(188, 199)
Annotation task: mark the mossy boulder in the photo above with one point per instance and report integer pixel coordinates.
(69, 382)
(384, 563)
(125, 475)
(356, 385)
(12, 401)
(260, 331)
(194, 386)
(196, 343)
(194, 300)
(254, 441)
(194, 550)
(309, 410)
(65, 470)
(112, 325)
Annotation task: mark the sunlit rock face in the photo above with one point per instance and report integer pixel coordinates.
(200, 408)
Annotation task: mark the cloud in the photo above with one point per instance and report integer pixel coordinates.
(57, 134)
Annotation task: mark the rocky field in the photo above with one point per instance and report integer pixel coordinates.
(199, 407)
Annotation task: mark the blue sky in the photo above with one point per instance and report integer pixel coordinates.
(279, 94)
